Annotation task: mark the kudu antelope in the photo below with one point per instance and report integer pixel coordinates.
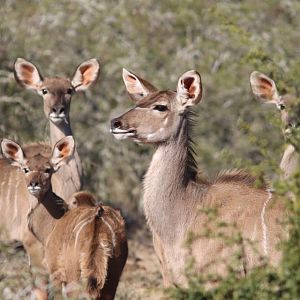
(264, 88)
(87, 242)
(14, 197)
(175, 197)
(57, 93)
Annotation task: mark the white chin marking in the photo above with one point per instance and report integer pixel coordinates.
(122, 136)
(138, 141)
(56, 120)
(150, 136)
(34, 191)
(118, 130)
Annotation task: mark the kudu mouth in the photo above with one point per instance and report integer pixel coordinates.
(34, 190)
(120, 133)
(57, 118)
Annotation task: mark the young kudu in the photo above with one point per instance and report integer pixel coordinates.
(87, 242)
(176, 199)
(264, 88)
(14, 197)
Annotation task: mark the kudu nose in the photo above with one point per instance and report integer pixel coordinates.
(33, 184)
(58, 110)
(116, 123)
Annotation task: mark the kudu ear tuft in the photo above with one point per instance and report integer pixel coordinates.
(27, 74)
(189, 89)
(86, 74)
(263, 87)
(13, 151)
(62, 151)
(137, 87)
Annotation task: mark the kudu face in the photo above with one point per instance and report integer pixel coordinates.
(264, 88)
(38, 169)
(157, 114)
(56, 91)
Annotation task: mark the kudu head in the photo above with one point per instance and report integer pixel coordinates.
(56, 91)
(157, 115)
(264, 88)
(38, 168)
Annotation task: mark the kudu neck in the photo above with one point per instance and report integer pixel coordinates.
(289, 164)
(68, 179)
(54, 205)
(59, 131)
(167, 182)
(179, 162)
(44, 215)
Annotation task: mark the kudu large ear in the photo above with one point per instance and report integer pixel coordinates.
(86, 74)
(13, 151)
(264, 88)
(189, 89)
(62, 152)
(27, 74)
(137, 87)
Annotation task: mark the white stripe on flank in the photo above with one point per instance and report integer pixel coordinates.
(2, 185)
(7, 196)
(15, 201)
(79, 224)
(2, 195)
(113, 235)
(263, 224)
(88, 221)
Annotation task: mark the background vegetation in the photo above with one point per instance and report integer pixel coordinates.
(158, 40)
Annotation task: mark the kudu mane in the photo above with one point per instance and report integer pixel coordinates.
(237, 176)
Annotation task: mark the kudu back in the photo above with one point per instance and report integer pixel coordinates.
(85, 243)
(177, 201)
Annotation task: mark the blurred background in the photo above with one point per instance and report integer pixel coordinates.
(158, 40)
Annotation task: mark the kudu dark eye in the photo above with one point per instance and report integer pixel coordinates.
(26, 170)
(281, 106)
(44, 91)
(48, 170)
(160, 107)
(70, 91)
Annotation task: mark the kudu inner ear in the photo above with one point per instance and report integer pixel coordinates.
(62, 152)
(86, 74)
(189, 89)
(27, 74)
(137, 87)
(263, 87)
(13, 151)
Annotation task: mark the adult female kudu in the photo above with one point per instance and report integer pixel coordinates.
(56, 93)
(264, 88)
(87, 242)
(174, 196)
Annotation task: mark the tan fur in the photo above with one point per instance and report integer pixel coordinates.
(177, 201)
(57, 100)
(14, 198)
(289, 163)
(236, 176)
(82, 198)
(87, 257)
(78, 244)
